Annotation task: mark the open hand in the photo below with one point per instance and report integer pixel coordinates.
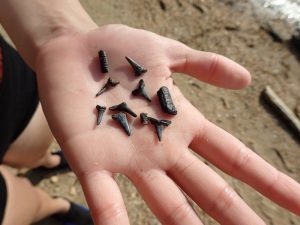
(69, 77)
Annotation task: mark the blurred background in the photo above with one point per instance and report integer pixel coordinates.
(262, 36)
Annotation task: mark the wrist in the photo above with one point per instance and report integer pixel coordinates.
(32, 24)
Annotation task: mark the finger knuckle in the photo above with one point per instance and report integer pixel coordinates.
(214, 62)
(242, 160)
(179, 213)
(224, 200)
(113, 210)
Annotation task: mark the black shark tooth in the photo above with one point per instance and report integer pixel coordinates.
(139, 70)
(140, 90)
(101, 110)
(159, 124)
(109, 84)
(122, 119)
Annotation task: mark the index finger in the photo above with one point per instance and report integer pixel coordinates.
(234, 158)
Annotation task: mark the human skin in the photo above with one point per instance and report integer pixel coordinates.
(61, 44)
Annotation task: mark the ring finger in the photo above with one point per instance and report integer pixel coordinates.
(211, 192)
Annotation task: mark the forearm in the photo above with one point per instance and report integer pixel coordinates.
(30, 24)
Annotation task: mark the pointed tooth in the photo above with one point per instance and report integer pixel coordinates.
(101, 110)
(141, 90)
(122, 119)
(139, 70)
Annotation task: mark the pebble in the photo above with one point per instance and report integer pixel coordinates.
(54, 179)
(73, 191)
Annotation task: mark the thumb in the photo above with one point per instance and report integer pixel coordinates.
(209, 67)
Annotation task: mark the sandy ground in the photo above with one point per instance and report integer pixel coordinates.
(226, 28)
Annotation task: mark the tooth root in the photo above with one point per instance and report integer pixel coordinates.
(112, 83)
(109, 83)
(139, 70)
(122, 119)
(123, 108)
(101, 110)
(159, 125)
(165, 122)
(136, 92)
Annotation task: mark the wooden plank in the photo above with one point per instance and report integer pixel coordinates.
(285, 112)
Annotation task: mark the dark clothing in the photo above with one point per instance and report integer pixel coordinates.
(3, 197)
(18, 96)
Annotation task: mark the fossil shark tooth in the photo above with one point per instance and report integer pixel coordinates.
(103, 61)
(166, 101)
(122, 119)
(138, 69)
(109, 84)
(123, 107)
(140, 90)
(101, 110)
(159, 126)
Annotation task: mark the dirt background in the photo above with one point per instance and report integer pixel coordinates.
(232, 29)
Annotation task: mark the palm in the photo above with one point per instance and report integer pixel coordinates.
(69, 76)
(78, 78)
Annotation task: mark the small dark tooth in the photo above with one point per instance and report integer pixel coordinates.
(159, 125)
(122, 119)
(103, 61)
(144, 118)
(123, 107)
(101, 110)
(166, 101)
(139, 70)
(140, 90)
(109, 84)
